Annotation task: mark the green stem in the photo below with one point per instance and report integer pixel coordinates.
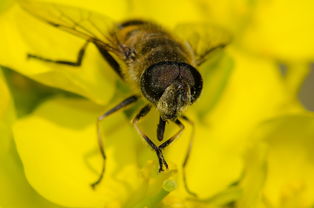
(153, 201)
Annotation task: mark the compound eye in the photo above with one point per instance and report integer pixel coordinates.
(191, 76)
(157, 78)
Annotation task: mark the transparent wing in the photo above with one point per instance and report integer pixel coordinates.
(82, 23)
(203, 38)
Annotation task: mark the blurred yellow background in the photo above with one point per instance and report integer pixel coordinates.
(254, 139)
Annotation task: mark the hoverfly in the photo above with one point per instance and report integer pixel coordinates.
(161, 65)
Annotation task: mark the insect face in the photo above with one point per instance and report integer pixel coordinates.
(172, 86)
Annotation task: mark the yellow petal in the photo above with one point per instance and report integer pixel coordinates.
(255, 92)
(278, 29)
(17, 40)
(168, 13)
(5, 4)
(57, 145)
(15, 191)
(7, 115)
(254, 176)
(231, 14)
(58, 148)
(282, 30)
(290, 181)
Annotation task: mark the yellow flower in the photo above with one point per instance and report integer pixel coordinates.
(289, 159)
(15, 191)
(278, 29)
(282, 30)
(242, 138)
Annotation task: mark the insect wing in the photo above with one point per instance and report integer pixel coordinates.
(82, 23)
(203, 38)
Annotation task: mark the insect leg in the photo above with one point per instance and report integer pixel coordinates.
(109, 59)
(77, 63)
(126, 102)
(161, 129)
(143, 112)
(171, 139)
(187, 156)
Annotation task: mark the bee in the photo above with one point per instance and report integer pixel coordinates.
(161, 65)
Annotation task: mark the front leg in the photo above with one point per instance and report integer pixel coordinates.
(171, 139)
(142, 113)
(188, 152)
